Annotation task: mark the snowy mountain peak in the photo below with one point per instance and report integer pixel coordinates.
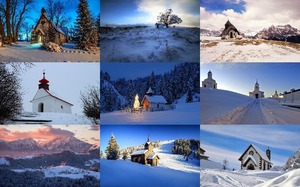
(280, 32)
(293, 162)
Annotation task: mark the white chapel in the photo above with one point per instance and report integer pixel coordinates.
(209, 82)
(256, 92)
(46, 101)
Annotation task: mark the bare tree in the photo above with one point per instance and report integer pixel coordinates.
(225, 164)
(10, 96)
(56, 12)
(91, 103)
(168, 18)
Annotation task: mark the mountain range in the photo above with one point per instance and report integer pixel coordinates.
(280, 32)
(57, 144)
(293, 162)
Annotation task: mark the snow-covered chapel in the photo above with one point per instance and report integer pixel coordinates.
(256, 92)
(209, 82)
(230, 31)
(154, 102)
(254, 158)
(46, 101)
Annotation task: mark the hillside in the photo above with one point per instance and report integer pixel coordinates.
(226, 107)
(172, 170)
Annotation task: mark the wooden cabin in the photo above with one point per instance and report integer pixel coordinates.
(46, 31)
(146, 155)
(153, 101)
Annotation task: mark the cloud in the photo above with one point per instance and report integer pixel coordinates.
(265, 135)
(187, 10)
(257, 15)
(43, 133)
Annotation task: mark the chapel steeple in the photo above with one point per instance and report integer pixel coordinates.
(44, 82)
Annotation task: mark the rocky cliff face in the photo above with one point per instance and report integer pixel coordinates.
(293, 162)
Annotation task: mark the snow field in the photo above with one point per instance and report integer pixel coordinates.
(57, 118)
(151, 45)
(185, 113)
(173, 161)
(64, 171)
(253, 51)
(120, 173)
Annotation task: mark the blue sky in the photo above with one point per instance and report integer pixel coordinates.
(249, 15)
(131, 12)
(230, 141)
(241, 77)
(135, 70)
(133, 135)
(71, 7)
(220, 5)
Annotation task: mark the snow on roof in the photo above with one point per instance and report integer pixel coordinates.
(261, 153)
(140, 152)
(52, 94)
(251, 158)
(152, 156)
(155, 99)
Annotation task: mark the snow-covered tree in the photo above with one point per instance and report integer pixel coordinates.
(189, 96)
(91, 103)
(112, 150)
(86, 36)
(168, 18)
(136, 102)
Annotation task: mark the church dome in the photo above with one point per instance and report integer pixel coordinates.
(43, 80)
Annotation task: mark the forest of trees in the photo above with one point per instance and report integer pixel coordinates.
(187, 148)
(183, 79)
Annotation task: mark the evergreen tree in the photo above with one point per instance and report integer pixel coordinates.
(189, 96)
(85, 31)
(112, 150)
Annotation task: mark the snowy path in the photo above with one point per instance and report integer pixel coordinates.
(254, 114)
(25, 52)
(261, 111)
(217, 178)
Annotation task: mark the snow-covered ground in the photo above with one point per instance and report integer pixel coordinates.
(238, 178)
(64, 171)
(56, 118)
(185, 113)
(26, 52)
(151, 45)
(173, 161)
(226, 107)
(212, 175)
(213, 49)
(290, 179)
(3, 161)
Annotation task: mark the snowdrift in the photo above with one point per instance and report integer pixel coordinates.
(216, 103)
(185, 113)
(120, 172)
(289, 179)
